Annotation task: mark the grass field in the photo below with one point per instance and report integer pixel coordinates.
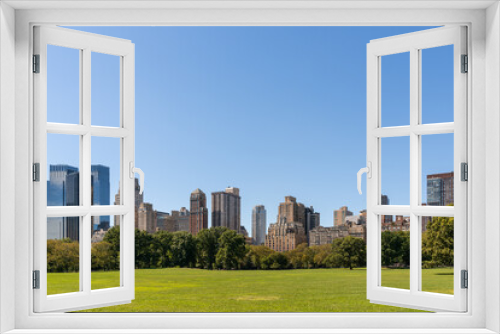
(196, 290)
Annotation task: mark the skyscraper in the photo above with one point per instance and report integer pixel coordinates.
(139, 198)
(339, 216)
(259, 224)
(100, 194)
(292, 211)
(147, 218)
(440, 189)
(288, 232)
(384, 199)
(63, 190)
(312, 220)
(198, 216)
(226, 209)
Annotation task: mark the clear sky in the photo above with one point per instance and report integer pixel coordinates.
(274, 111)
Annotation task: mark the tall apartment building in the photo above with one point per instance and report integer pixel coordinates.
(259, 224)
(292, 211)
(198, 216)
(312, 219)
(226, 209)
(147, 217)
(288, 232)
(339, 216)
(139, 198)
(440, 189)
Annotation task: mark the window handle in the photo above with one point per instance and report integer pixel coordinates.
(368, 171)
(139, 171)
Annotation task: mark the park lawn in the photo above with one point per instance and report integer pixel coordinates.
(198, 290)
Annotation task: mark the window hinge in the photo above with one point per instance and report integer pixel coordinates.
(36, 279)
(464, 171)
(36, 63)
(36, 172)
(465, 64)
(465, 279)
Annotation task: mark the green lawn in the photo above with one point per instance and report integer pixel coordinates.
(196, 290)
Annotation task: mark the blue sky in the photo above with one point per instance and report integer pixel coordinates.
(274, 111)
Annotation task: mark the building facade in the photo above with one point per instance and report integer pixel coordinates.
(226, 209)
(174, 221)
(63, 190)
(312, 220)
(139, 198)
(283, 236)
(400, 224)
(340, 215)
(198, 216)
(147, 217)
(259, 224)
(384, 200)
(440, 189)
(322, 235)
(100, 194)
(288, 232)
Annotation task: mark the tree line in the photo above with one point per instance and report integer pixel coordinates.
(221, 248)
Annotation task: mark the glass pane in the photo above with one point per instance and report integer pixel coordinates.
(63, 178)
(437, 169)
(395, 171)
(105, 256)
(395, 253)
(105, 90)
(437, 84)
(437, 254)
(63, 85)
(63, 255)
(105, 176)
(395, 89)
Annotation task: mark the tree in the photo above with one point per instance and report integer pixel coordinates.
(143, 255)
(112, 237)
(256, 256)
(101, 256)
(231, 250)
(348, 252)
(437, 243)
(395, 248)
(276, 260)
(296, 256)
(162, 249)
(208, 241)
(183, 249)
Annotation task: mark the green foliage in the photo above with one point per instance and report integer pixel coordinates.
(348, 252)
(183, 249)
(231, 250)
(207, 242)
(395, 248)
(63, 255)
(437, 243)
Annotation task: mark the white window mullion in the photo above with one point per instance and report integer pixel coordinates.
(414, 169)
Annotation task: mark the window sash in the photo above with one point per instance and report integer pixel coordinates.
(413, 43)
(86, 43)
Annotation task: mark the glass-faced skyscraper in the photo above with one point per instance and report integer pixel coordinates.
(259, 224)
(100, 194)
(63, 190)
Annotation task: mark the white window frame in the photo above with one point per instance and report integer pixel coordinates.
(483, 21)
(86, 44)
(414, 43)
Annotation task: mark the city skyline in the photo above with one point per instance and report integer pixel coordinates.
(294, 126)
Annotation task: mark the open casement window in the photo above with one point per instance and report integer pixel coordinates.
(414, 123)
(70, 184)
